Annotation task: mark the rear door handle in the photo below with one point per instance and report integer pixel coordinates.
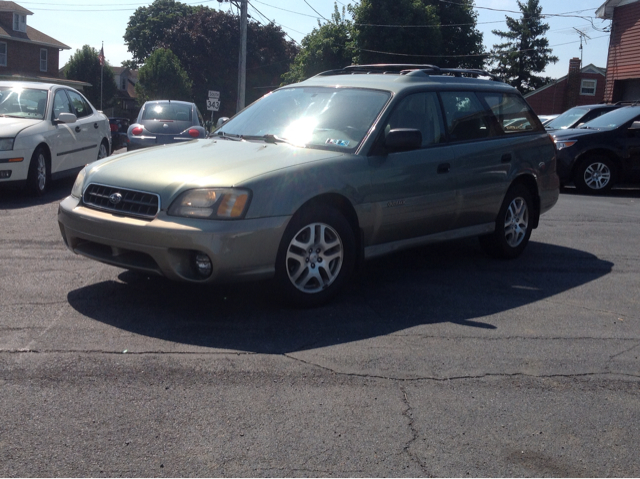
(444, 168)
(506, 158)
(95, 125)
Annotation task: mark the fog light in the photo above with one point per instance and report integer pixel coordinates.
(5, 173)
(203, 265)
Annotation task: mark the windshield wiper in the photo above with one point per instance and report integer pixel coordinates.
(268, 138)
(227, 136)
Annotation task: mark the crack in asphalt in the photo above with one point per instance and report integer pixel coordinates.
(408, 415)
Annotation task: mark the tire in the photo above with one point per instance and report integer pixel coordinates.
(39, 174)
(513, 225)
(595, 175)
(316, 256)
(103, 150)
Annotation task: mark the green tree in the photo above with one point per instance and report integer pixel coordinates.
(395, 31)
(84, 65)
(417, 31)
(526, 50)
(207, 43)
(148, 25)
(327, 47)
(462, 45)
(163, 78)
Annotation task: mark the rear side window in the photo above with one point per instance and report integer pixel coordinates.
(512, 112)
(466, 117)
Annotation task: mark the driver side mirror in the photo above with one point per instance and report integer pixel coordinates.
(403, 139)
(221, 121)
(65, 118)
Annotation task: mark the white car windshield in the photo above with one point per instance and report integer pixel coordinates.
(334, 118)
(23, 102)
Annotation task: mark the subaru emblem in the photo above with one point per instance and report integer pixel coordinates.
(115, 198)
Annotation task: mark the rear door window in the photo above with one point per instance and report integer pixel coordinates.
(466, 117)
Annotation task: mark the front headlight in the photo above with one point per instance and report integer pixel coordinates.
(76, 191)
(560, 144)
(6, 144)
(211, 203)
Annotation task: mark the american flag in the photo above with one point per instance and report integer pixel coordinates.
(101, 56)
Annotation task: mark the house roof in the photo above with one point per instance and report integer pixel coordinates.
(14, 8)
(31, 36)
(605, 11)
(590, 68)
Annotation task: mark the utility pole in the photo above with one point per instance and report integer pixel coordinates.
(242, 62)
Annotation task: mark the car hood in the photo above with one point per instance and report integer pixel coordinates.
(573, 133)
(13, 126)
(167, 170)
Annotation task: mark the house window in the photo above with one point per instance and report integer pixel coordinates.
(43, 59)
(19, 22)
(588, 87)
(3, 54)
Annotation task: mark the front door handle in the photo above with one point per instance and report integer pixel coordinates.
(78, 129)
(506, 158)
(444, 168)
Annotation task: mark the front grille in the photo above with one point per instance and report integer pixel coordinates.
(122, 201)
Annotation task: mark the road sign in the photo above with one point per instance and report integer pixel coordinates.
(214, 95)
(213, 104)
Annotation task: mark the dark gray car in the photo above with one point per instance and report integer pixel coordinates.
(166, 121)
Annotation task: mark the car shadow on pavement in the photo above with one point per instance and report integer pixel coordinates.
(453, 282)
(14, 199)
(622, 191)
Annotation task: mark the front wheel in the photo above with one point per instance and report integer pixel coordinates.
(513, 225)
(38, 176)
(316, 256)
(595, 175)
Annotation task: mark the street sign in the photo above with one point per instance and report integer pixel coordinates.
(213, 104)
(214, 95)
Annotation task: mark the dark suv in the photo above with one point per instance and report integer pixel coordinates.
(579, 115)
(602, 152)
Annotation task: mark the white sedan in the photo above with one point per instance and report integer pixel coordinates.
(47, 131)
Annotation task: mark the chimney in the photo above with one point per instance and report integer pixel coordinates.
(572, 85)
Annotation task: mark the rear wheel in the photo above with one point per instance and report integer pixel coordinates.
(103, 151)
(39, 174)
(316, 256)
(513, 225)
(595, 175)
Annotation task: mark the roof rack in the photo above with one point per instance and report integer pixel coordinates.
(409, 69)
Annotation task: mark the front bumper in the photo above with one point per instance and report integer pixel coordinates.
(239, 249)
(14, 166)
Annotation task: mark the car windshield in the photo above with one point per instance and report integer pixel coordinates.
(167, 111)
(567, 119)
(614, 118)
(23, 102)
(333, 118)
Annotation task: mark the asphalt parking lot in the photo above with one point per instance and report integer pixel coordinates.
(437, 361)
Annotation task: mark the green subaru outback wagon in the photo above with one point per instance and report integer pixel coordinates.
(316, 177)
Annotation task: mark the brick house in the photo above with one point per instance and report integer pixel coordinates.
(581, 86)
(26, 54)
(623, 60)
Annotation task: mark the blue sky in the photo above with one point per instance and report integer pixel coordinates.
(80, 22)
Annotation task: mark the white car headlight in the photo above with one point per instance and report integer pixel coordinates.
(76, 191)
(6, 144)
(211, 203)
